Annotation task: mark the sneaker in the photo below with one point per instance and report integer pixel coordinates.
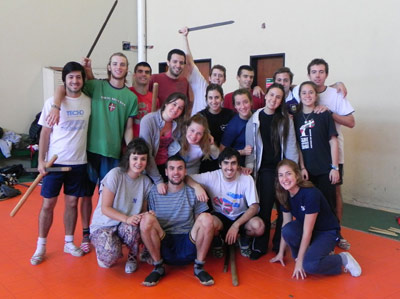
(85, 246)
(101, 264)
(217, 247)
(154, 277)
(205, 278)
(244, 244)
(70, 248)
(344, 244)
(37, 258)
(352, 265)
(131, 264)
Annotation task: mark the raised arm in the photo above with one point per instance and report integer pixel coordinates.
(189, 57)
(54, 115)
(87, 65)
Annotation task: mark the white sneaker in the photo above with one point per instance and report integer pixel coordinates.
(352, 265)
(70, 248)
(38, 258)
(131, 264)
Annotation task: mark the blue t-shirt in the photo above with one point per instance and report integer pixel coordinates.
(235, 133)
(310, 201)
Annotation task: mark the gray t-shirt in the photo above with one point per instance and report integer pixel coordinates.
(176, 211)
(130, 195)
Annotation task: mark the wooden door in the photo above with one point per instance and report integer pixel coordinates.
(265, 66)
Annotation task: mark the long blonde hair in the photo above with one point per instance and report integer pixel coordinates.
(204, 141)
(281, 194)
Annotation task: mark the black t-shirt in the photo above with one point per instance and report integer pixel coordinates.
(313, 132)
(270, 158)
(217, 122)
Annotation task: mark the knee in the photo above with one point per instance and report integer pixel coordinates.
(206, 221)
(49, 204)
(257, 226)
(290, 231)
(147, 222)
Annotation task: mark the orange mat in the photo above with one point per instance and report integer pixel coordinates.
(64, 276)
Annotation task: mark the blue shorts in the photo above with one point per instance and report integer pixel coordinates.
(178, 249)
(98, 167)
(74, 181)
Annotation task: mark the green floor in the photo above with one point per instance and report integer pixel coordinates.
(362, 218)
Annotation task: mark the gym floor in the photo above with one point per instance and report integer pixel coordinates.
(64, 276)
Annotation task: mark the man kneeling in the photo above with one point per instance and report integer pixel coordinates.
(176, 231)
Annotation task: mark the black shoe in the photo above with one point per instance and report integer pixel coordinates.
(154, 277)
(255, 255)
(205, 278)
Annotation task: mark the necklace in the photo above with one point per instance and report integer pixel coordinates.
(306, 118)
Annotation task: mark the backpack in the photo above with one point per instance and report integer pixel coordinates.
(34, 130)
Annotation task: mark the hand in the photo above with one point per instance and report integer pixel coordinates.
(246, 151)
(134, 219)
(232, 234)
(86, 62)
(334, 176)
(298, 270)
(278, 258)
(184, 31)
(245, 170)
(258, 92)
(41, 168)
(340, 87)
(304, 174)
(162, 188)
(201, 194)
(320, 109)
(53, 117)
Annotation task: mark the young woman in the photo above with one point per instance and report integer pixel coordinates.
(159, 129)
(317, 138)
(313, 235)
(195, 144)
(217, 118)
(235, 131)
(270, 132)
(122, 202)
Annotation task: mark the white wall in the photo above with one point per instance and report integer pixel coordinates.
(358, 38)
(42, 33)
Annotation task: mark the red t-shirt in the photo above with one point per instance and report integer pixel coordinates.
(144, 105)
(257, 102)
(166, 86)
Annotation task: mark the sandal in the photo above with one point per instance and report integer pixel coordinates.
(37, 259)
(85, 246)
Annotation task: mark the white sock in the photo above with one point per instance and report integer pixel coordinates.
(69, 238)
(41, 246)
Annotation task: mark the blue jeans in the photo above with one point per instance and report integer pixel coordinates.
(316, 259)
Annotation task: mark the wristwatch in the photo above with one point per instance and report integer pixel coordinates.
(335, 167)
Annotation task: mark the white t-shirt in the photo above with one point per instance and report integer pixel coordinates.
(199, 87)
(231, 199)
(336, 103)
(68, 139)
(130, 195)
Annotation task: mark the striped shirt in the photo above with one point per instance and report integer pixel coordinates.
(176, 211)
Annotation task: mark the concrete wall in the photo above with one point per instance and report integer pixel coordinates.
(358, 39)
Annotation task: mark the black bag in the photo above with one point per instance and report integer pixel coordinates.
(8, 192)
(34, 130)
(16, 169)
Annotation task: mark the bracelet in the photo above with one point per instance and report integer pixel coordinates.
(55, 106)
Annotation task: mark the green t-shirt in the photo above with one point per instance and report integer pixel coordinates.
(111, 108)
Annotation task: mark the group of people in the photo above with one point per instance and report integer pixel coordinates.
(182, 181)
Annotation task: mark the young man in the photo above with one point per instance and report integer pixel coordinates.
(171, 81)
(140, 87)
(342, 113)
(113, 108)
(176, 231)
(245, 77)
(67, 140)
(235, 202)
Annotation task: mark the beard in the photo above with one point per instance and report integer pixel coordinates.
(176, 183)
